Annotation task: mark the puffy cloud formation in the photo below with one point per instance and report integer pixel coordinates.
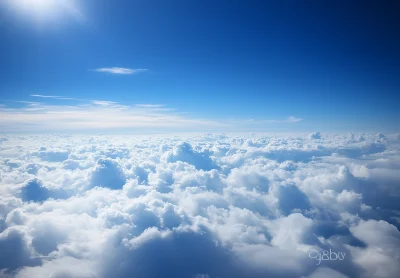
(184, 152)
(107, 173)
(315, 135)
(200, 206)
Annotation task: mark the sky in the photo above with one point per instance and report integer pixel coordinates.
(199, 138)
(199, 65)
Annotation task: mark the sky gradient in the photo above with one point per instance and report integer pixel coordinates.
(233, 65)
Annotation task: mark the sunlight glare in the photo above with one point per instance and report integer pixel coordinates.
(35, 6)
(44, 10)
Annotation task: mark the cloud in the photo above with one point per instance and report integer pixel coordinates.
(150, 105)
(52, 155)
(34, 191)
(108, 173)
(15, 249)
(105, 103)
(60, 268)
(123, 71)
(98, 115)
(290, 119)
(105, 116)
(324, 272)
(184, 152)
(55, 97)
(315, 135)
(381, 256)
(199, 205)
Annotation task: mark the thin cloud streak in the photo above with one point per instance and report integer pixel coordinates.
(290, 119)
(56, 97)
(104, 115)
(150, 105)
(100, 115)
(121, 71)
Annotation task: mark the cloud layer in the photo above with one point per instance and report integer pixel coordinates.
(97, 115)
(67, 114)
(199, 206)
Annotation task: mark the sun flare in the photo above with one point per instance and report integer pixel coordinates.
(45, 9)
(34, 6)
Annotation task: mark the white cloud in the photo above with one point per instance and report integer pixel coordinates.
(198, 206)
(99, 116)
(55, 97)
(108, 173)
(105, 116)
(123, 71)
(150, 105)
(380, 258)
(324, 272)
(290, 119)
(105, 103)
(315, 135)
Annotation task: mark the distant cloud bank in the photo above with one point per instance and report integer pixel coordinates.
(54, 113)
(205, 206)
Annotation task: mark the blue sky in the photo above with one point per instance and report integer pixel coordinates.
(236, 65)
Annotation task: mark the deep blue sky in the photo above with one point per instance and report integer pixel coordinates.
(327, 62)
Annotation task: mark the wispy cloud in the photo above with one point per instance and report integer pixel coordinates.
(56, 97)
(123, 71)
(43, 96)
(98, 116)
(30, 103)
(105, 115)
(150, 105)
(104, 103)
(290, 119)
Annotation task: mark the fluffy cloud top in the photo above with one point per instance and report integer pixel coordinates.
(200, 206)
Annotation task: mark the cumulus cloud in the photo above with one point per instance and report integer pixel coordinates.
(200, 206)
(108, 173)
(315, 135)
(184, 152)
(382, 254)
(51, 155)
(34, 190)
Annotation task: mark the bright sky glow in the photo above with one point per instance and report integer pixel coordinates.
(44, 10)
